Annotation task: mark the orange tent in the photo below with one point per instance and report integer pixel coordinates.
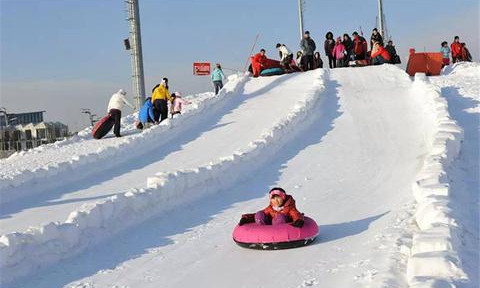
(429, 63)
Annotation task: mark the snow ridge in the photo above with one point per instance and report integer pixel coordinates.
(126, 148)
(433, 262)
(22, 254)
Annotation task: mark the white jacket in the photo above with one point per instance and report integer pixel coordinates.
(117, 100)
(285, 52)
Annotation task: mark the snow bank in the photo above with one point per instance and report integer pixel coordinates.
(24, 253)
(433, 262)
(16, 184)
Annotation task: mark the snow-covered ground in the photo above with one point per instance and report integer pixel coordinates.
(358, 148)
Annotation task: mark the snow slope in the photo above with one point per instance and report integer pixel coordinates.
(350, 145)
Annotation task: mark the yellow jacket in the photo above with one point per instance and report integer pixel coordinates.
(161, 93)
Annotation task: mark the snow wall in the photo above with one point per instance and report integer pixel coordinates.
(432, 261)
(22, 254)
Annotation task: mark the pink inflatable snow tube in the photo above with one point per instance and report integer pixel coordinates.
(280, 236)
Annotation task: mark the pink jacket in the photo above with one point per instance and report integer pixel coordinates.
(178, 103)
(338, 51)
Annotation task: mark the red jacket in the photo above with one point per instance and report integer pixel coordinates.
(381, 52)
(456, 49)
(259, 58)
(289, 209)
(359, 46)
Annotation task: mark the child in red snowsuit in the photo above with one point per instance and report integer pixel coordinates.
(456, 49)
(258, 61)
(281, 210)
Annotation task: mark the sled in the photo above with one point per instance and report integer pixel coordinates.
(358, 63)
(272, 71)
(429, 63)
(103, 127)
(275, 237)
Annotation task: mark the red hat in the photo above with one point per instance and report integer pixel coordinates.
(278, 191)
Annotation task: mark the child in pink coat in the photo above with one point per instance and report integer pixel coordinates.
(177, 103)
(339, 52)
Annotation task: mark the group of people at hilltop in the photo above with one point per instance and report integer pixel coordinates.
(458, 51)
(306, 59)
(339, 51)
(345, 49)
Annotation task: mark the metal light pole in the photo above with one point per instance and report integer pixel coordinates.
(380, 18)
(300, 17)
(136, 52)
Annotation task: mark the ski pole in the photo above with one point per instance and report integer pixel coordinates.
(251, 51)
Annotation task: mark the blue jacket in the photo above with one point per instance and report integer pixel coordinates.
(217, 75)
(445, 52)
(146, 113)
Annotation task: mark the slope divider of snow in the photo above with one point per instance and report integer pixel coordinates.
(24, 253)
(433, 262)
(15, 185)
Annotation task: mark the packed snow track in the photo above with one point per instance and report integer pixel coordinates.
(347, 144)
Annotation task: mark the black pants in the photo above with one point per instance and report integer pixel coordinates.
(379, 60)
(308, 62)
(218, 85)
(116, 116)
(332, 62)
(286, 63)
(360, 57)
(160, 110)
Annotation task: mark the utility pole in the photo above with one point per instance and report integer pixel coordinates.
(300, 17)
(136, 52)
(380, 19)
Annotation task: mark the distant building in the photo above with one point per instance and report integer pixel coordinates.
(21, 118)
(24, 135)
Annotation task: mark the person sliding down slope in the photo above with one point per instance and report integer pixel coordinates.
(281, 210)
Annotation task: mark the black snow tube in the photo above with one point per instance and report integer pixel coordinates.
(103, 127)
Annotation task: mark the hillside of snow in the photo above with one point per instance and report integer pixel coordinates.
(387, 165)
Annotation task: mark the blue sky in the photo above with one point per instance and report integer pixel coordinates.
(63, 55)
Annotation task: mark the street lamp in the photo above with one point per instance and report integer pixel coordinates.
(90, 115)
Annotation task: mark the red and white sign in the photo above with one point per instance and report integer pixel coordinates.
(201, 68)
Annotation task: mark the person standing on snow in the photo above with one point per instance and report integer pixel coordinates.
(114, 109)
(286, 57)
(359, 46)
(258, 61)
(160, 97)
(339, 52)
(328, 46)
(466, 56)
(348, 43)
(308, 48)
(445, 50)
(376, 37)
(456, 49)
(217, 78)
